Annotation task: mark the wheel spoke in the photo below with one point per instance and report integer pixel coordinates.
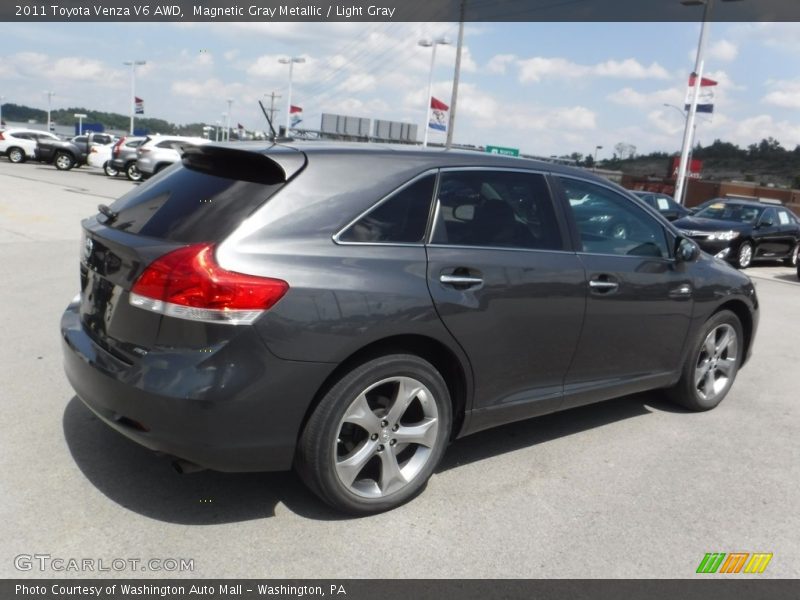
(726, 366)
(407, 390)
(362, 415)
(708, 345)
(708, 384)
(391, 476)
(701, 372)
(349, 468)
(423, 433)
(723, 342)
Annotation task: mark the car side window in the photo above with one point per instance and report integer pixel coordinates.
(784, 218)
(402, 218)
(165, 144)
(506, 209)
(769, 218)
(609, 223)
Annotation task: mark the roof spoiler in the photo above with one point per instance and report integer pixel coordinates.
(233, 164)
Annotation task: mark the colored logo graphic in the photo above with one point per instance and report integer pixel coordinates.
(736, 562)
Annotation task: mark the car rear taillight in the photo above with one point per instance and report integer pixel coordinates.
(188, 284)
(117, 146)
(1, 136)
(140, 151)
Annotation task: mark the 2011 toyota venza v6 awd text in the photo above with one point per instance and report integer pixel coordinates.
(349, 310)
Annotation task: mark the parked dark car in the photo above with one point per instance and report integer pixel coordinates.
(349, 310)
(123, 157)
(664, 204)
(745, 231)
(66, 154)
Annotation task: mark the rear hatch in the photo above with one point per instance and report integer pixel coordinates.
(193, 205)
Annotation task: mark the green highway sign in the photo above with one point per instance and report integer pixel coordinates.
(503, 151)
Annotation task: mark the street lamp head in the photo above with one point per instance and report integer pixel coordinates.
(425, 43)
(442, 41)
(293, 59)
(598, 147)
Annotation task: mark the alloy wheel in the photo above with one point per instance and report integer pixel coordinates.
(745, 255)
(386, 437)
(717, 362)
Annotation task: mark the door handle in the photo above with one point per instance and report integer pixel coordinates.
(603, 286)
(460, 280)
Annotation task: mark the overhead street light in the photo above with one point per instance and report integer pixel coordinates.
(291, 62)
(133, 64)
(596, 148)
(680, 182)
(80, 117)
(426, 43)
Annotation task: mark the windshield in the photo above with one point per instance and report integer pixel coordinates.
(731, 212)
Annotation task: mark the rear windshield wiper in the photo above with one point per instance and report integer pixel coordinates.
(107, 212)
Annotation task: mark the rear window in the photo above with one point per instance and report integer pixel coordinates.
(187, 206)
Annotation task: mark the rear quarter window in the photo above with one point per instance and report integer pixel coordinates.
(188, 206)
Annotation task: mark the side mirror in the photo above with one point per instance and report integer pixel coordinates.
(766, 223)
(686, 250)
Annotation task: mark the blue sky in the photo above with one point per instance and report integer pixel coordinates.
(546, 88)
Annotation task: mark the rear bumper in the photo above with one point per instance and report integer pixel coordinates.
(237, 409)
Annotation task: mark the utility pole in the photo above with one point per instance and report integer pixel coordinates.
(272, 110)
(454, 98)
(49, 103)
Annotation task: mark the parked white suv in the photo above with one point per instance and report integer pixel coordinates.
(18, 145)
(158, 152)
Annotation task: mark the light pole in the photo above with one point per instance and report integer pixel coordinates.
(219, 126)
(80, 117)
(290, 61)
(680, 182)
(49, 103)
(133, 64)
(228, 122)
(430, 44)
(594, 162)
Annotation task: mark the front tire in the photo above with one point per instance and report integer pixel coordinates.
(791, 261)
(16, 155)
(712, 365)
(64, 161)
(377, 435)
(110, 170)
(744, 258)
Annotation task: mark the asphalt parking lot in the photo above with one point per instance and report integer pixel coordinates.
(630, 488)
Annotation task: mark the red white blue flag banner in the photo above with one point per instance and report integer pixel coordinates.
(439, 115)
(705, 95)
(139, 105)
(296, 115)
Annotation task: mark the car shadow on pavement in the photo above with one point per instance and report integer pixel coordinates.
(523, 434)
(145, 483)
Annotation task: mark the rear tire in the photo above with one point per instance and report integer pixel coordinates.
(132, 172)
(712, 364)
(16, 155)
(63, 161)
(377, 435)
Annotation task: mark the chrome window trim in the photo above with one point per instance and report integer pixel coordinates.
(335, 237)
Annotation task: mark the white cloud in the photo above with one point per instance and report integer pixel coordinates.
(785, 94)
(719, 51)
(497, 64)
(537, 68)
(630, 97)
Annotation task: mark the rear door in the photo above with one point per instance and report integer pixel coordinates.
(771, 240)
(639, 299)
(506, 287)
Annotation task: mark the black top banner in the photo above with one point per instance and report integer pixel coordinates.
(398, 10)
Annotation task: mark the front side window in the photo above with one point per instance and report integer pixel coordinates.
(402, 218)
(506, 209)
(609, 223)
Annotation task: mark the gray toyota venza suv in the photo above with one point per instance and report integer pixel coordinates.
(349, 310)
